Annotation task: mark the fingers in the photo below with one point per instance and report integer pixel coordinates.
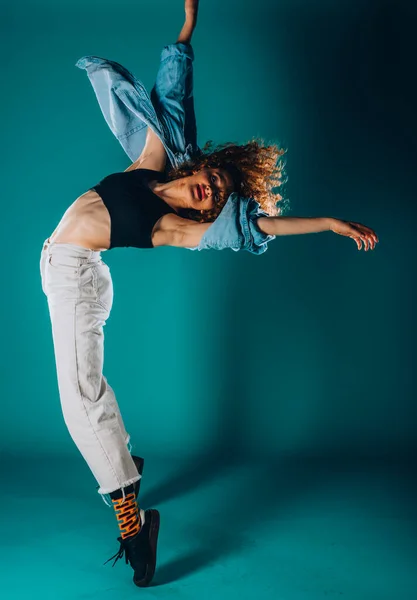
(357, 240)
(365, 239)
(365, 229)
(364, 234)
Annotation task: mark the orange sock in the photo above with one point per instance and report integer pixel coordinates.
(127, 515)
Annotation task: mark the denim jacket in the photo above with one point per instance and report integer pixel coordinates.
(169, 111)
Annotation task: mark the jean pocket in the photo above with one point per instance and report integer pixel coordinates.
(58, 264)
(60, 279)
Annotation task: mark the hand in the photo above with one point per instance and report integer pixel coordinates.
(356, 231)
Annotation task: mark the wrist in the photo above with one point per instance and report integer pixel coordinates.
(330, 222)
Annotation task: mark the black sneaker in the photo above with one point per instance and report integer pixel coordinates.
(140, 549)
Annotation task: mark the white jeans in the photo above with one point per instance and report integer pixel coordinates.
(79, 290)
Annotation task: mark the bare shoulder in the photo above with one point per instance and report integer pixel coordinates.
(173, 230)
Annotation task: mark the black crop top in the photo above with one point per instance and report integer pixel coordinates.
(133, 207)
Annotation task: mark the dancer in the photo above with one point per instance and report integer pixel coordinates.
(155, 202)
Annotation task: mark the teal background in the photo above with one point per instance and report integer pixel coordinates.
(272, 396)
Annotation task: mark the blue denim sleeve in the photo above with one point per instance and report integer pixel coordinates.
(257, 242)
(124, 102)
(173, 100)
(236, 228)
(128, 108)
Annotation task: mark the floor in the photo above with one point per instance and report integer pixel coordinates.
(285, 529)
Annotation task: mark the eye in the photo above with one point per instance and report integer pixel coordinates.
(214, 178)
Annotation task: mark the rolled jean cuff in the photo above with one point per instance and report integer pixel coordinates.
(104, 491)
(177, 49)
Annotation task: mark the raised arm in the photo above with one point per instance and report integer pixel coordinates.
(297, 225)
(153, 155)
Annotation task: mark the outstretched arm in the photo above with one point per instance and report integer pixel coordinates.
(186, 233)
(297, 225)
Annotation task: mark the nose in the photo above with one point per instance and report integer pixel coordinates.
(207, 187)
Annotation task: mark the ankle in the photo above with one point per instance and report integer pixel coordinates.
(119, 493)
(128, 515)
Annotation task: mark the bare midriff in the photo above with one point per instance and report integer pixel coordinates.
(85, 223)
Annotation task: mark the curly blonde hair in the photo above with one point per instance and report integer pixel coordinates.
(252, 166)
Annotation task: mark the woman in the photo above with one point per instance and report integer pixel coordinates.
(146, 206)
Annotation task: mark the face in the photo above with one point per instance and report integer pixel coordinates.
(205, 188)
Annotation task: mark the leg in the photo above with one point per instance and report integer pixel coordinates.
(79, 302)
(112, 397)
(115, 407)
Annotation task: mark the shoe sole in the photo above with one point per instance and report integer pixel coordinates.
(154, 517)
